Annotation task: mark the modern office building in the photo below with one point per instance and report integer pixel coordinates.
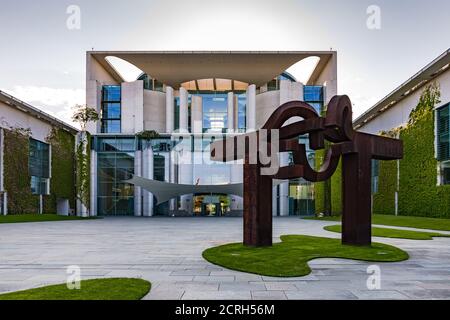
(37, 161)
(191, 99)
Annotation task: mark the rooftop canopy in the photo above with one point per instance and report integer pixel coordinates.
(175, 68)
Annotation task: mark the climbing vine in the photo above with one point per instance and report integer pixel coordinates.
(62, 184)
(16, 174)
(83, 171)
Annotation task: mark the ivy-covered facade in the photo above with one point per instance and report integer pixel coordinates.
(417, 185)
(37, 161)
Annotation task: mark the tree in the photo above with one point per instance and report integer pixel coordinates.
(84, 114)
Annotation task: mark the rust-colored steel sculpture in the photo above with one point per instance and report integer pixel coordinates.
(356, 149)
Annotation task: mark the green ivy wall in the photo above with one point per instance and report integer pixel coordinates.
(418, 192)
(62, 184)
(17, 179)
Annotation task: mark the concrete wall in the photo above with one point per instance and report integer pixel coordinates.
(399, 114)
(12, 117)
(132, 107)
(266, 104)
(155, 111)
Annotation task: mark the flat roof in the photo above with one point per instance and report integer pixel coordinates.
(35, 112)
(417, 81)
(176, 67)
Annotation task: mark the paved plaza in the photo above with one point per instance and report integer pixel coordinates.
(167, 252)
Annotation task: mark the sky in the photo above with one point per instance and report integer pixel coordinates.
(42, 60)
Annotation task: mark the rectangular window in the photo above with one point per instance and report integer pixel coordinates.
(443, 141)
(445, 172)
(111, 109)
(375, 175)
(313, 95)
(242, 112)
(39, 166)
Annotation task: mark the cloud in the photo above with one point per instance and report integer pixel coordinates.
(55, 101)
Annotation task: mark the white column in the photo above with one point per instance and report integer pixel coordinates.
(170, 112)
(93, 190)
(251, 108)
(147, 172)
(183, 110)
(274, 201)
(284, 188)
(230, 112)
(197, 114)
(137, 190)
(236, 176)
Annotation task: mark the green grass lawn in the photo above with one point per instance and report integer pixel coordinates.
(96, 289)
(290, 257)
(402, 221)
(19, 218)
(394, 233)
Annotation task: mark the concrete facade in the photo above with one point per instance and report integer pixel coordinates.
(180, 107)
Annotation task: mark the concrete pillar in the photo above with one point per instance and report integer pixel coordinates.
(186, 172)
(184, 105)
(94, 99)
(147, 172)
(236, 176)
(284, 188)
(138, 190)
(197, 114)
(93, 191)
(170, 109)
(230, 112)
(275, 201)
(251, 108)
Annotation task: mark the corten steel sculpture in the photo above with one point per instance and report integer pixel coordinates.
(356, 149)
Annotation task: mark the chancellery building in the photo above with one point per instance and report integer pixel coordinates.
(186, 100)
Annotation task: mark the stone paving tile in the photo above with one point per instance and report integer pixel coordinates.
(215, 278)
(379, 295)
(241, 286)
(217, 295)
(191, 272)
(280, 286)
(441, 294)
(320, 294)
(268, 295)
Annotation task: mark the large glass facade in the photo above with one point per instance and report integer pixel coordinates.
(115, 164)
(111, 109)
(39, 166)
(215, 112)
